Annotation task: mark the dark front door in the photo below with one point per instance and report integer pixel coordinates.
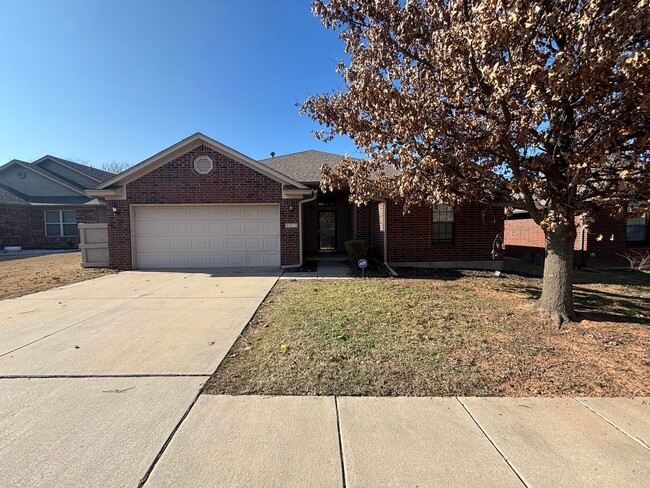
(327, 230)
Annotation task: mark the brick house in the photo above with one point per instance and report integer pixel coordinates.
(601, 244)
(199, 203)
(42, 202)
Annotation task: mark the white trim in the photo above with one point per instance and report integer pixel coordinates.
(292, 194)
(186, 145)
(40, 173)
(60, 223)
(118, 193)
(62, 162)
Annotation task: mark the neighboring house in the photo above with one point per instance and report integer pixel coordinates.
(42, 202)
(202, 204)
(602, 244)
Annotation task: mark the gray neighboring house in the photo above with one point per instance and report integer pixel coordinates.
(42, 202)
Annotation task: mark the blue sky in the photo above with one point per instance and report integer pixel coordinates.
(120, 80)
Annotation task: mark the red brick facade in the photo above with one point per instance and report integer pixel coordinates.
(25, 226)
(410, 236)
(176, 182)
(603, 243)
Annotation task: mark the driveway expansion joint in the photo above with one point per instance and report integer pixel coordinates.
(162, 450)
(512, 468)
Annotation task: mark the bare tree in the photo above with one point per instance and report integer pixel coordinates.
(115, 167)
(540, 105)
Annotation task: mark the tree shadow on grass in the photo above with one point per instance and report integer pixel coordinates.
(598, 305)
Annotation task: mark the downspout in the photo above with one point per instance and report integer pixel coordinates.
(385, 263)
(582, 243)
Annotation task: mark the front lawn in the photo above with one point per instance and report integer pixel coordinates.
(23, 274)
(460, 334)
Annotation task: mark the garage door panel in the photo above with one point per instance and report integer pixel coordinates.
(270, 228)
(234, 212)
(207, 236)
(235, 244)
(216, 228)
(234, 228)
(253, 244)
(252, 228)
(217, 244)
(269, 259)
(199, 244)
(198, 213)
(198, 228)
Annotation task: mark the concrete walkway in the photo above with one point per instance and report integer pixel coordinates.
(246, 441)
(327, 270)
(96, 376)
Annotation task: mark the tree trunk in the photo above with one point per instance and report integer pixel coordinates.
(556, 301)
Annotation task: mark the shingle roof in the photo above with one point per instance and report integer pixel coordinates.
(98, 174)
(302, 166)
(9, 195)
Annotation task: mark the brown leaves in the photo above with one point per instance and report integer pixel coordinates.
(534, 105)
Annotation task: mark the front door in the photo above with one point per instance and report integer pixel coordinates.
(327, 230)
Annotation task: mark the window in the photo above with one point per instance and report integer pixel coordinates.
(60, 223)
(443, 224)
(637, 230)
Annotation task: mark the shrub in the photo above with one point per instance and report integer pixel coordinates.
(357, 249)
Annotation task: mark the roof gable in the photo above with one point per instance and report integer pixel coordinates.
(181, 148)
(53, 179)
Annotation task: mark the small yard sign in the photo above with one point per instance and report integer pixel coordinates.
(363, 264)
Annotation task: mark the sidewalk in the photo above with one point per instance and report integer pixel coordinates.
(230, 441)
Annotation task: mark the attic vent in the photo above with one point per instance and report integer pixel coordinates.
(203, 165)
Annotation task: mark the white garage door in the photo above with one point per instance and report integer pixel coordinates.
(207, 236)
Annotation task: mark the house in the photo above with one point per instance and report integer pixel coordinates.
(600, 244)
(42, 202)
(200, 203)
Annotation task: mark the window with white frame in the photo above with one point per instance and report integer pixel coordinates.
(443, 224)
(60, 223)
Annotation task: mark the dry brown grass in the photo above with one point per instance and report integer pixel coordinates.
(469, 335)
(22, 275)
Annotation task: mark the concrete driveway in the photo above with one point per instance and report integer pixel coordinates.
(95, 376)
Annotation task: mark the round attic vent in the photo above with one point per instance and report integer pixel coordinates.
(203, 165)
(21, 174)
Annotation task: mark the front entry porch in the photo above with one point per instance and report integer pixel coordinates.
(327, 222)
